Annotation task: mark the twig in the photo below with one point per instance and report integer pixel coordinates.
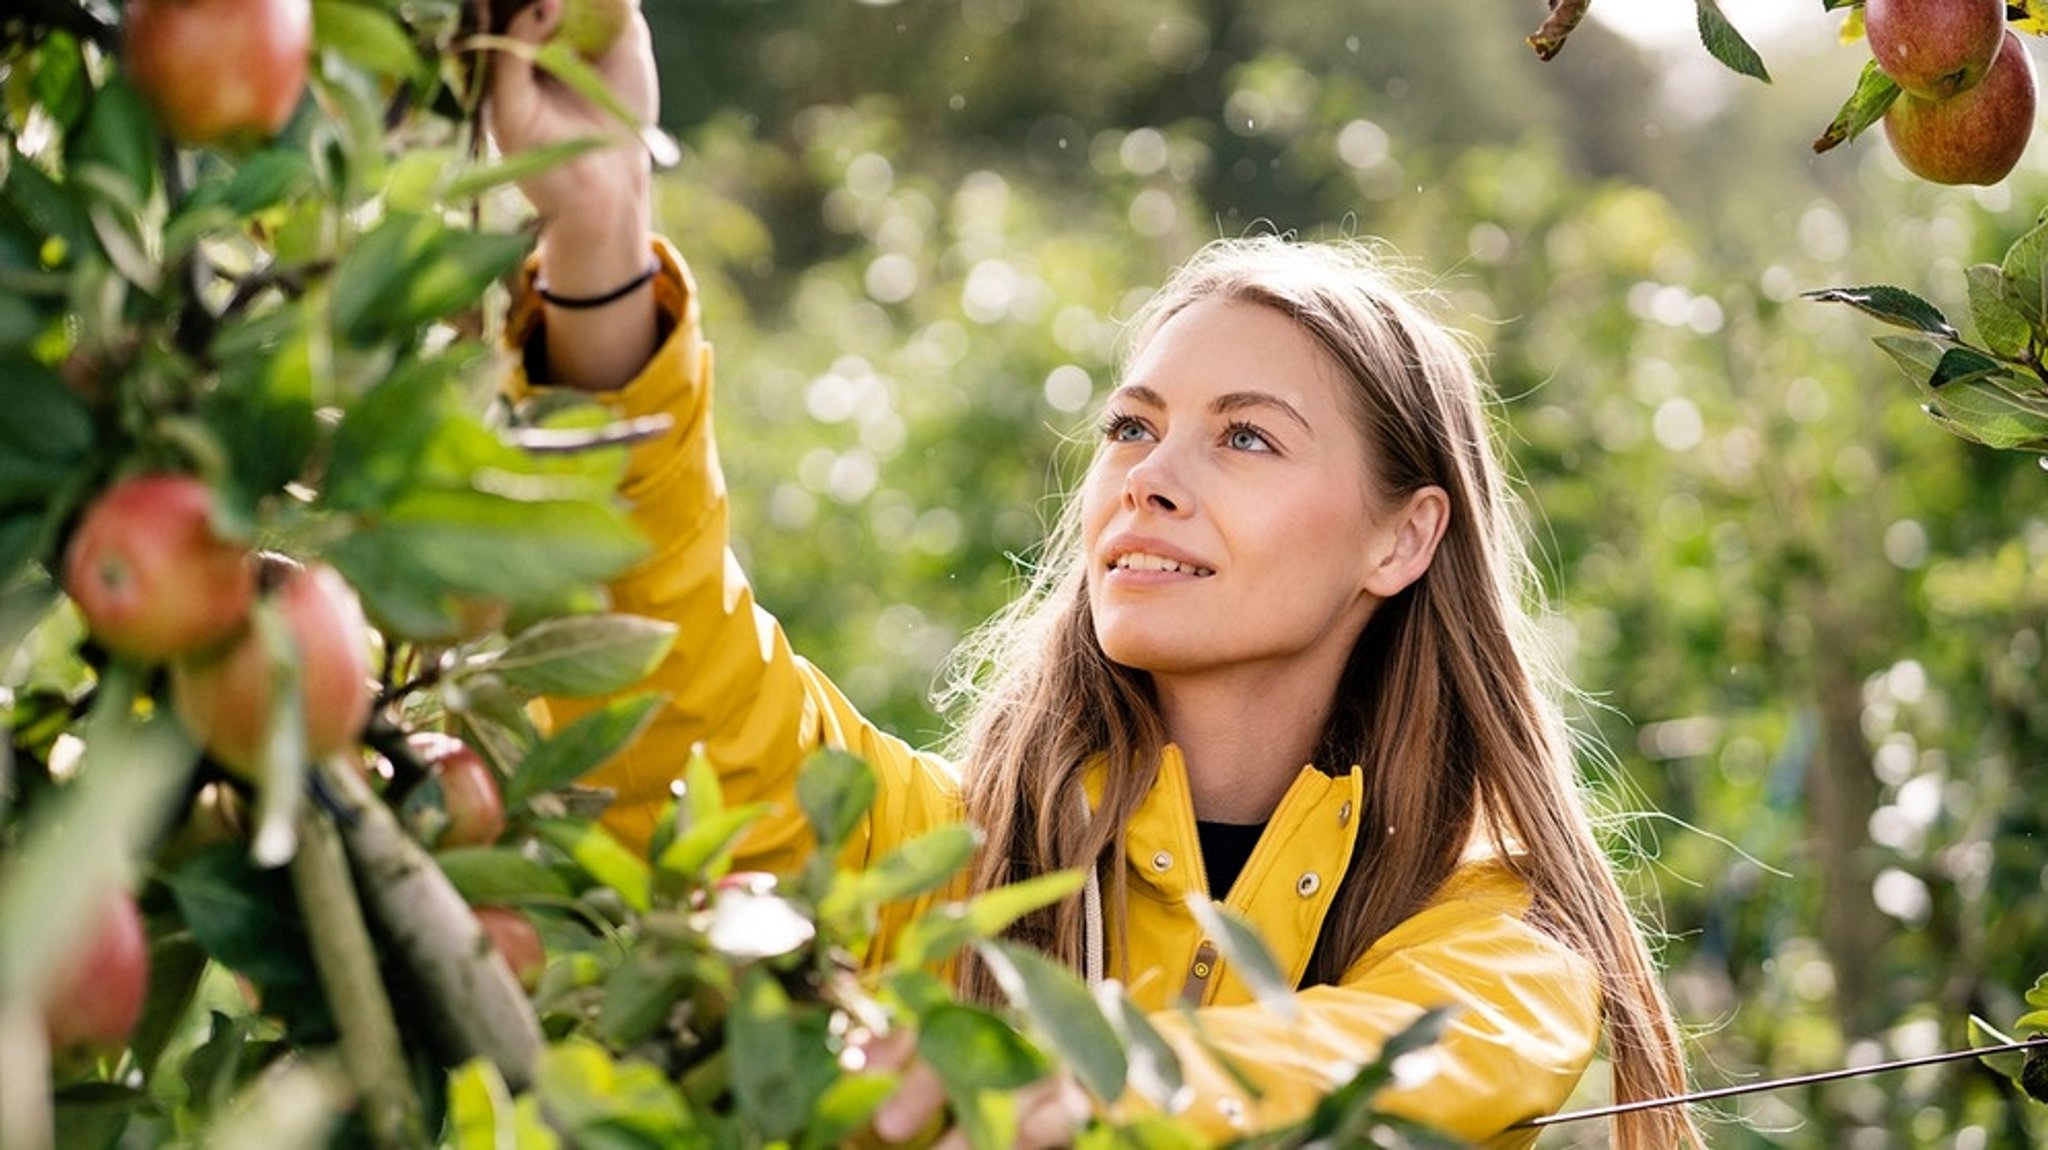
(1783, 1083)
(1564, 16)
(473, 999)
(347, 965)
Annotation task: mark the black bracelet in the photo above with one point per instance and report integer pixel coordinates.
(584, 303)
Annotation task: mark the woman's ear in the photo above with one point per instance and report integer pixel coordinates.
(1416, 527)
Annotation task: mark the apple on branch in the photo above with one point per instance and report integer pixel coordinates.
(463, 806)
(1975, 136)
(149, 573)
(1934, 48)
(93, 1008)
(225, 700)
(219, 71)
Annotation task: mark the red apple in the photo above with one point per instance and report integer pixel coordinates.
(1974, 137)
(516, 941)
(219, 71)
(225, 701)
(97, 1001)
(149, 573)
(472, 810)
(1934, 48)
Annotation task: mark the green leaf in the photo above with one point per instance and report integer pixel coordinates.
(641, 994)
(835, 790)
(1917, 356)
(703, 850)
(974, 1050)
(781, 1062)
(46, 206)
(584, 654)
(845, 1108)
(1244, 949)
(365, 35)
(411, 269)
(263, 414)
(478, 179)
(493, 719)
(579, 748)
(176, 964)
(1965, 363)
(45, 432)
(2005, 1062)
(561, 61)
(2037, 997)
(1874, 92)
(300, 1104)
(1058, 1005)
(1346, 1112)
(1155, 1071)
(1981, 408)
(382, 444)
(1725, 44)
(268, 179)
(2026, 276)
(2003, 330)
(117, 137)
(943, 929)
(245, 917)
(498, 876)
(602, 857)
(481, 1112)
(919, 865)
(440, 543)
(1893, 305)
(595, 1101)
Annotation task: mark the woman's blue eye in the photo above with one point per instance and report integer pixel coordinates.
(1245, 437)
(1123, 429)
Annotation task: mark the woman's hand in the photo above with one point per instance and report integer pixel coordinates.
(594, 210)
(1049, 1111)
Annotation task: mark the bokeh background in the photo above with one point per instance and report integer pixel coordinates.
(1809, 623)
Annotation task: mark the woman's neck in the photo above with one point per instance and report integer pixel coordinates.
(1243, 741)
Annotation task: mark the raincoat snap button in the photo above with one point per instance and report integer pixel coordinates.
(1308, 884)
(1162, 861)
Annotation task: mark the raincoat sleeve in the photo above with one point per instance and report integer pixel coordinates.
(731, 680)
(1525, 1026)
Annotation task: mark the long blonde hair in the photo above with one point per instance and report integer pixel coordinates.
(1444, 703)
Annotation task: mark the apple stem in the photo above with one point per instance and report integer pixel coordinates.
(473, 998)
(347, 965)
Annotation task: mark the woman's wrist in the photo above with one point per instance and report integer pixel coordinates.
(590, 259)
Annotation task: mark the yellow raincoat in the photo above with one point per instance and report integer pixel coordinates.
(1528, 1019)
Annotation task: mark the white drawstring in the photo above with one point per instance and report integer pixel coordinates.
(1091, 916)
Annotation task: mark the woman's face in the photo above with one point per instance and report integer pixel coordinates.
(1227, 518)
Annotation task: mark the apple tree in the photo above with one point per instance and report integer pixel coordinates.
(285, 858)
(1956, 92)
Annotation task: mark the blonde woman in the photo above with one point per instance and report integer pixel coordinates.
(1275, 654)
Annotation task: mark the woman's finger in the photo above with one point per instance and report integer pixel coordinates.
(515, 86)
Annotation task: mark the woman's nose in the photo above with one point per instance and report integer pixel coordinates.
(1153, 484)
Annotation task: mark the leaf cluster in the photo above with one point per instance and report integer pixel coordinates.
(1993, 391)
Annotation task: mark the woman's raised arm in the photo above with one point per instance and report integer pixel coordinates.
(594, 255)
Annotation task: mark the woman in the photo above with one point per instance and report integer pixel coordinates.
(1274, 655)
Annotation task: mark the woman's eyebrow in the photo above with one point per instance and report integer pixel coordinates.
(1241, 400)
(1138, 393)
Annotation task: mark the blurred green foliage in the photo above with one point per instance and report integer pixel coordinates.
(1808, 622)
